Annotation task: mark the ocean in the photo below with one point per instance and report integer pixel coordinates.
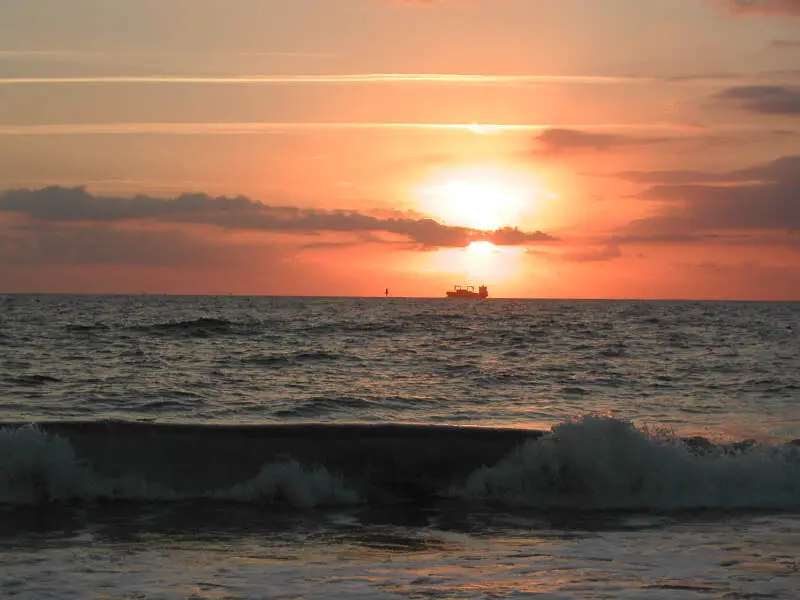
(263, 447)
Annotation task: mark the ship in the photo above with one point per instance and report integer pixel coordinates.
(468, 291)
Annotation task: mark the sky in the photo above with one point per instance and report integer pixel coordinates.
(545, 148)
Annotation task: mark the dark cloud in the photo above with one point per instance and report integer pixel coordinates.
(768, 198)
(511, 236)
(77, 205)
(765, 99)
(557, 141)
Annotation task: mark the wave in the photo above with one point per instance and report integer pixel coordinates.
(88, 328)
(86, 461)
(588, 463)
(292, 358)
(41, 469)
(322, 405)
(201, 327)
(603, 463)
(32, 380)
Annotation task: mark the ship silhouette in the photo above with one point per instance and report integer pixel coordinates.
(468, 291)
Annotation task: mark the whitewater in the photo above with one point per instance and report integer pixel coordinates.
(231, 447)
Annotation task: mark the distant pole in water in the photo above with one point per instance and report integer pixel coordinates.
(387, 292)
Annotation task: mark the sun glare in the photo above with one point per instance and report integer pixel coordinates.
(480, 198)
(482, 249)
(479, 263)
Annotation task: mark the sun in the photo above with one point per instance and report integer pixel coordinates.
(482, 249)
(482, 198)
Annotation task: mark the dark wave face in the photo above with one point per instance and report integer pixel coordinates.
(589, 464)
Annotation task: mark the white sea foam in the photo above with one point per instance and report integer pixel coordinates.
(291, 482)
(38, 468)
(598, 462)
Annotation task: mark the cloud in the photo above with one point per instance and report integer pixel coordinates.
(609, 251)
(782, 169)
(765, 99)
(774, 7)
(557, 141)
(279, 127)
(670, 177)
(76, 205)
(764, 197)
(481, 79)
(664, 238)
(512, 236)
(745, 7)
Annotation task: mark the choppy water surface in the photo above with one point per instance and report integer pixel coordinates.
(323, 448)
(729, 368)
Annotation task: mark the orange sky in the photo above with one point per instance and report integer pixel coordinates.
(547, 148)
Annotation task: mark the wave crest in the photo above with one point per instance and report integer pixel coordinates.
(38, 468)
(601, 463)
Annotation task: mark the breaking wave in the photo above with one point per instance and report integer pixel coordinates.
(591, 463)
(38, 468)
(602, 463)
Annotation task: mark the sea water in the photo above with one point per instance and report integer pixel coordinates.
(229, 447)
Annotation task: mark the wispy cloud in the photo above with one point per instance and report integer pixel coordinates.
(605, 253)
(665, 238)
(784, 168)
(279, 127)
(774, 7)
(556, 141)
(765, 99)
(331, 79)
(471, 79)
(78, 54)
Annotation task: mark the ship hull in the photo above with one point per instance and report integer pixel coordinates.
(468, 292)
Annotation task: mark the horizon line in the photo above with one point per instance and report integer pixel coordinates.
(381, 297)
